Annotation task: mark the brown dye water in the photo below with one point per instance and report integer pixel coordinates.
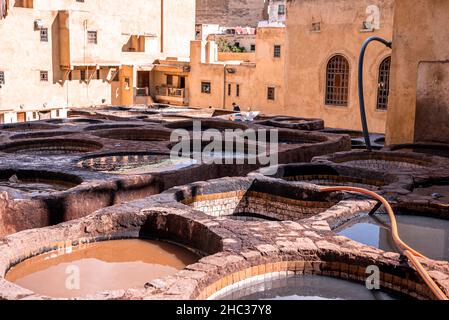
(102, 266)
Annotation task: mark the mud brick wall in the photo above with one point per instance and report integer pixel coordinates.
(272, 206)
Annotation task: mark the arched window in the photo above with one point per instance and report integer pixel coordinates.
(383, 84)
(337, 81)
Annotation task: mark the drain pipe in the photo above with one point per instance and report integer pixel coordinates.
(361, 94)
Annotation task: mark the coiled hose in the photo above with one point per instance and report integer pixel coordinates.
(407, 251)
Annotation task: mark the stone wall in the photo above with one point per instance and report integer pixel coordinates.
(230, 13)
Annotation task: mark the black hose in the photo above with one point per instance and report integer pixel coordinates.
(361, 94)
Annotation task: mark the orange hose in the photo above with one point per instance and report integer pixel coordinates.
(407, 251)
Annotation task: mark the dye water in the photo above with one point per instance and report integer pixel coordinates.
(306, 287)
(99, 267)
(430, 236)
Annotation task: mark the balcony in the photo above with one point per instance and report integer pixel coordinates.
(171, 95)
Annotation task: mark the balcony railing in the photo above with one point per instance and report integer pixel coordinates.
(143, 92)
(171, 92)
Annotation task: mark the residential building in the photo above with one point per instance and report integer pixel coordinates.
(304, 64)
(71, 53)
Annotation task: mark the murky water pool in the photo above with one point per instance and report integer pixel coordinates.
(430, 236)
(101, 266)
(307, 287)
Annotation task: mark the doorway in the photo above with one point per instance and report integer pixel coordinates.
(143, 83)
(182, 82)
(21, 117)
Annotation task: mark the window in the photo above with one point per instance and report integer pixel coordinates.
(57, 113)
(384, 84)
(316, 27)
(271, 93)
(44, 34)
(281, 9)
(44, 76)
(2, 77)
(35, 115)
(98, 74)
(92, 37)
(337, 81)
(169, 80)
(277, 51)
(205, 87)
(253, 47)
(229, 89)
(83, 75)
(116, 76)
(237, 90)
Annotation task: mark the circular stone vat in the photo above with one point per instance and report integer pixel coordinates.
(326, 175)
(288, 137)
(206, 124)
(102, 266)
(302, 287)
(358, 139)
(135, 134)
(51, 147)
(430, 236)
(296, 123)
(112, 126)
(435, 149)
(36, 183)
(135, 163)
(223, 152)
(378, 160)
(28, 126)
(358, 144)
(353, 134)
(75, 121)
(42, 134)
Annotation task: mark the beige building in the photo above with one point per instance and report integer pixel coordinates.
(64, 53)
(324, 39)
(304, 67)
(231, 13)
(255, 81)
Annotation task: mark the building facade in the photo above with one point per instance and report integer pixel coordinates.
(304, 64)
(58, 54)
(253, 80)
(324, 39)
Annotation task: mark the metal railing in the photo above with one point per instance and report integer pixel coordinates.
(171, 92)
